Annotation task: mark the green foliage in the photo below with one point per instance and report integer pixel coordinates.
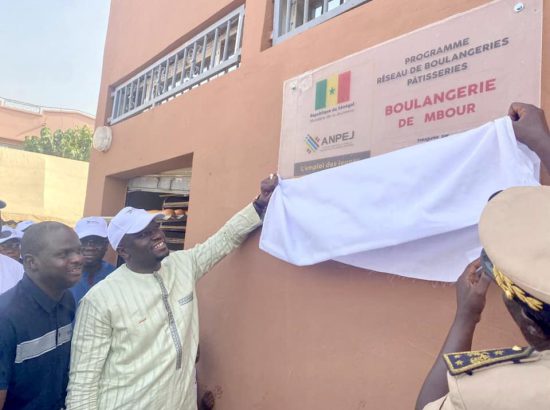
(74, 143)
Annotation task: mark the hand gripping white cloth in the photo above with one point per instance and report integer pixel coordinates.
(411, 212)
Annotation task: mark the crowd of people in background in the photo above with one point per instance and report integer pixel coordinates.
(135, 338)
(92, 232)
(10, 254)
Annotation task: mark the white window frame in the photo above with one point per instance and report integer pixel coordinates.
(279, 36)
(160, 69)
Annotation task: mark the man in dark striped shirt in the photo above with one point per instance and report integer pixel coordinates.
(36, 320)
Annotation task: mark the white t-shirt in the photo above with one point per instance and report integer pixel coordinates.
(11, 272)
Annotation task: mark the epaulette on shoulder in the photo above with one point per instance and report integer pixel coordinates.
(466, 362)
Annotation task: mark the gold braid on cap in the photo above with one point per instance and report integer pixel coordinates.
(511, 291)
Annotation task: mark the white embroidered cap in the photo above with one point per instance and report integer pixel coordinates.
(9, 233)
(129, 220)
(91, 225)
(22, 226)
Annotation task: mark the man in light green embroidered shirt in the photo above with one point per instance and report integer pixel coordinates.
(136, 336)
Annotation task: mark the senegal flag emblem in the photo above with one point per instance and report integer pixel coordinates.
(332, 90)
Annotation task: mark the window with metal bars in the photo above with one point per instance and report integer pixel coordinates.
(213, 52)
(294, 16)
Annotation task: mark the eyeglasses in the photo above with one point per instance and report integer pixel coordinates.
(93, 243)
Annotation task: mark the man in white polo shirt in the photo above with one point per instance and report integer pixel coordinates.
(11, 271)
(136, 335)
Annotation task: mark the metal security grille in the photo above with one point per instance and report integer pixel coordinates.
(294, 16)
(214, 52)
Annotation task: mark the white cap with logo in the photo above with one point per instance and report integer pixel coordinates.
(9, 233)
(21, 226)
(129, 220)
(91, 225)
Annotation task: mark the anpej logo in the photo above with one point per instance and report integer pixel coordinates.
(333, 90)
(331, 141)
(312, 144)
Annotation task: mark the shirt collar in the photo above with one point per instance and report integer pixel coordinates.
(85, 273)
(47, 303)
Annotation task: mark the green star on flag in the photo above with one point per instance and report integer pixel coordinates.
(333, 90)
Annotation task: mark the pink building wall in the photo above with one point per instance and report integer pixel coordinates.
(275, 336)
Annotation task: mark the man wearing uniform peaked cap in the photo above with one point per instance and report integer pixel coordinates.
(515, 233)
(514, 230)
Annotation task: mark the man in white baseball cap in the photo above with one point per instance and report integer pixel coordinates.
(136, 335)
(10, 243)
(92, 232)
(127, 222)
(11, 271)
